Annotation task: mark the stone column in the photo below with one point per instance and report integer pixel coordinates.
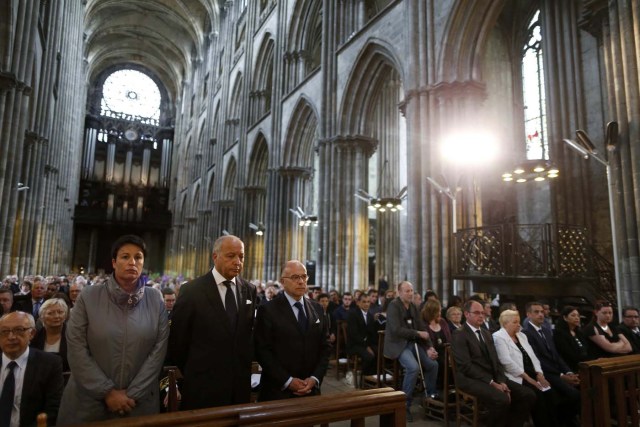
(344, 243)
(617, 27)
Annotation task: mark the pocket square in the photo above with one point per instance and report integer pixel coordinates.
(318, 321)
(248, 302)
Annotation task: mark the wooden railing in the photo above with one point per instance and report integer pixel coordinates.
(385, 403)
(609, 391)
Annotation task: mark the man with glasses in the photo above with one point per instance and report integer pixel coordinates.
(31, 379)
(629, 327)
(478, 372)
(211, 330)
(291, 340)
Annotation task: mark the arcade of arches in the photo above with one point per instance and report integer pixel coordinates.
(269, 114)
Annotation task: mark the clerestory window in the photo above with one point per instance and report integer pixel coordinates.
(535, 112)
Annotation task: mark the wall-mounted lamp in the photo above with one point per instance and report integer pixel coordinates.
(383, 201)
(259, 229)
(305, 220)
(22, 187)
(532, 170)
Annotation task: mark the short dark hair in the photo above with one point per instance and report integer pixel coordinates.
(600, 304)
(347, 294)
(167, 291)
(531, 304)
(628, 308)
(469, 302)
(362, 295)
(6, 291)
(125, 240)
(372, 291)
(323, 295)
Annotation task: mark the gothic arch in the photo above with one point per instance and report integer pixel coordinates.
(304, 43)
(374, 64)
(301, 135)
(261, 94)
(230, 179)
(234, 111)
(258, 162)
(195, 201)
(465, 36)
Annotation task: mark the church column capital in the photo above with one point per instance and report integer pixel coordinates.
(295, 171)
(346, 143)
(594, 14)
(468, 89)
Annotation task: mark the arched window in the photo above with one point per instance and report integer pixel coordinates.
(130, 92)
(535, 112)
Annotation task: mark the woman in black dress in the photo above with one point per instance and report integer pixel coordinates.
(604, 339)
(569, 339)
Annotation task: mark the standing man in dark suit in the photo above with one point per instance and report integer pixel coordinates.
(31, 379)
(211, 331)
(629, 327)
(291, 340)
(362, 335)
(478, 372)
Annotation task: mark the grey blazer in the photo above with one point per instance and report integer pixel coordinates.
(402, 326)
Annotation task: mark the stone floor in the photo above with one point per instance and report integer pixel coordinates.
(331, 386)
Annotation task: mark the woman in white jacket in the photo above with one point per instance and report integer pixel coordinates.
(522, 366)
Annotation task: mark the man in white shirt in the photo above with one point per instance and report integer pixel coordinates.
(31, 379)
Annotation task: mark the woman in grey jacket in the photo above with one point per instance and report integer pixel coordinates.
(116, 339)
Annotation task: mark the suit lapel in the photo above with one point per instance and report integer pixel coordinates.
(312, 317)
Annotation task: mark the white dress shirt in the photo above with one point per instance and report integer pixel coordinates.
(18, 374)
(220, 279)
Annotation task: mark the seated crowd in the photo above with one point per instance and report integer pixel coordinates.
(519, 368)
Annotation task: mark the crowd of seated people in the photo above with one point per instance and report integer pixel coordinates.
(537, 353)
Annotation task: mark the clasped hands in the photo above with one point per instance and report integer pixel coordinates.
(302, 387)
(502, 387)
(118, 401)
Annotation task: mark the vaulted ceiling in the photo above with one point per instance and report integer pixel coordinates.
(164, 36)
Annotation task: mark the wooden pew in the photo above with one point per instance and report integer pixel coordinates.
(606, 382)
(386, 403)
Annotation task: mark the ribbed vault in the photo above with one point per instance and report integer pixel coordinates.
(163, 35)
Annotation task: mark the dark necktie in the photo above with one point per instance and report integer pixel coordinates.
(230, 304)
(6, 398)
(483, 345)
(544, 339)
(302, 318)
(36, 308)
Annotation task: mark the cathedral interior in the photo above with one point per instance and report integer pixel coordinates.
(463, 145)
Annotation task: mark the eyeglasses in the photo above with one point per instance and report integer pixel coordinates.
(15, 331)
(477, 313)
(632, 317)
(297, 277)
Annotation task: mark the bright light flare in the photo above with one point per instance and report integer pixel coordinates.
(470, 148)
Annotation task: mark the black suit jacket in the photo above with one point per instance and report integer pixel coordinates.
(41, 338)
(633, 339)
(359, 334)
(550, 360)
(215, 361)
(42, 387)
(471, 362)
(284, 350)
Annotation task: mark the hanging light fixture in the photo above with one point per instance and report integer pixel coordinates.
(385, 202)
(532, 170)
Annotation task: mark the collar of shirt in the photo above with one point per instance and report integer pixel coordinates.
(364, 313)
(18, 373)
(536, 328)
(219, 278)
(473, 328)
(293, 301)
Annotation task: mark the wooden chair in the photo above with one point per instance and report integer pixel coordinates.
(173, 375)
(341, 362)
(442, 409)
(353, 360)
(467, 408)
(387, 370)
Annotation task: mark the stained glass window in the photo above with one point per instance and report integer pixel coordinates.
(131, 92)
(535, 113)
